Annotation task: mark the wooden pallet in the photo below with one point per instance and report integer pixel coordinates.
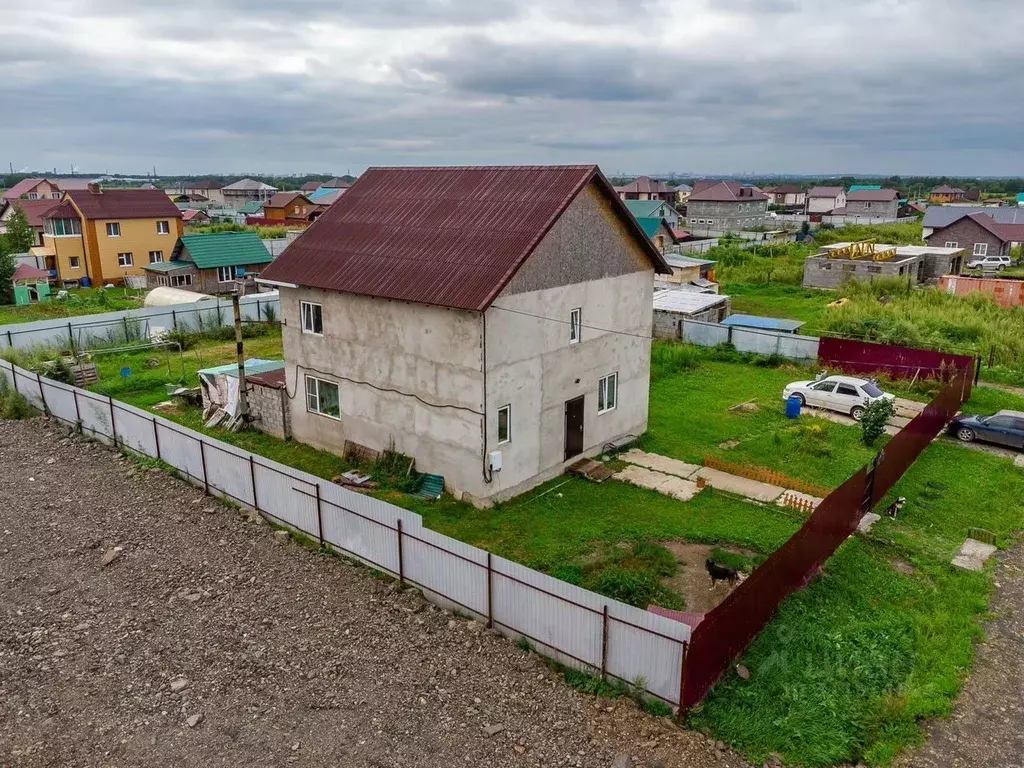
(85, 374)
(594, 471)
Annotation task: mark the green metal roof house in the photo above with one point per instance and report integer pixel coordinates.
(658, 230)
(252, 208)
(210, 263)
(658, 209)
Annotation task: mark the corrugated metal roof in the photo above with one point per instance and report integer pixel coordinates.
(862, 187)
(727, 192)
(36, 210)
(766, 323)
(250, 185)
(225, 249)
(283, 199)
(644, 208)
(686, 302)
(651, 224)
(943, 215)
(253, 365)
(124, 204)
(873, 196)
(678, 260)
(450, 236)
(167, 266)
(253, 206)
(825, 191)
(645, 184)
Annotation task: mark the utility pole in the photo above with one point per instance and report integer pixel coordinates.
(243, 395)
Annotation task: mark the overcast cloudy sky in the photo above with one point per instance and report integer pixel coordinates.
(706, 86)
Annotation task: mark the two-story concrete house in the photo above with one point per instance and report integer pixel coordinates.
(725, 206)
(786, 196)
(871, 203)
(494, 323)
(825, 199)
(104, 235)
(646, 188)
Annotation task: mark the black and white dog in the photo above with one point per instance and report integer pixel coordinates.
(721, 573)
(893, 509)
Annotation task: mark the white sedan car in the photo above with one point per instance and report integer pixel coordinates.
(844, 394)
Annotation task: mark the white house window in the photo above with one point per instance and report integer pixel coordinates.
(312, 318)
(322, 397)
(163, 228)
(162, 280)
(74, 262)
(225, 274)
(156, 257)
(113, 229)
(575, 325)
(981, 249)
(179, 280)
(62, 227)
(504, 424)
(125, 260)
(952, 244)
(33, 196)
(607, 393)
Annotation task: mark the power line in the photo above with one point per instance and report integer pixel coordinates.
(569, 322)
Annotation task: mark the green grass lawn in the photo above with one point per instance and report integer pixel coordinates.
(690, 418)
(81, 301)
(787, 301)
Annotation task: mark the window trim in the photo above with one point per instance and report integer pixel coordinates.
(508, 425)
(126, 263)
(317, 410)
(184, 279)
(74, 262)
(159, 257)
(984, 249)
(603, 396)
(233, 272)
(163, 227)
(116, 225)
(575, 325)
(302, 318)
(951, 244)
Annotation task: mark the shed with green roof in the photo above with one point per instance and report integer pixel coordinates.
(210, 263)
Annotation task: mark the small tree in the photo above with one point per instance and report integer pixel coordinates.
(876, 416)
(7, 267)
(20, 235)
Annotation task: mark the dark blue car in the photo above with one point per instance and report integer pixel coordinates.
(1006, 428)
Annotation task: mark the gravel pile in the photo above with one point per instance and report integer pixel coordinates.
(145, 624)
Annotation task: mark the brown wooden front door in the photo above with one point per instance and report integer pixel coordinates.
(574, 427)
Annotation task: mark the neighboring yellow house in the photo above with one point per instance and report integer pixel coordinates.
(105, 235)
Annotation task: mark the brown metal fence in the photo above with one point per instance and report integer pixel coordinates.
(727, 630)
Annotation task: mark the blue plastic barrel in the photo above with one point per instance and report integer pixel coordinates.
(793, 403)
(86, 282)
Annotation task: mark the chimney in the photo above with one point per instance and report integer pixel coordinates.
(94, 188)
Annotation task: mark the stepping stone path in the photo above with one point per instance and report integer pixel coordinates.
(867, 521)
(973, 555)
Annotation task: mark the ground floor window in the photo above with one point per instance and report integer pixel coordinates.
(981, 249)
(179, 280)
(225, 274)
(322, 397)
(125, 260)
(74, 262)
(504, 424)
(607, 393)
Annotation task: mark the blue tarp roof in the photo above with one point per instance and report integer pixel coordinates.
(764, 323)
(253, 366)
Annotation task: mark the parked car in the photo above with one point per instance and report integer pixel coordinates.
(990, 263)
(845, 394)
(1004, 428)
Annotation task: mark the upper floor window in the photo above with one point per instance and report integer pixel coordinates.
(225, 274)
(981, 249)
(74, 262)
(312, 317)
(163, 228)
(113, 229)
(33, 196)
(125, 260)
(575, 325)
(156, 257)
(607, 393)
(62, 227)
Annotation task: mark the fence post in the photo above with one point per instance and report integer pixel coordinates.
(124, 320)
(490, 603)
(71, 336)
(252, 476)
(259, 313)
(42, 394)
(174, 319)
(202, 458)
(156, 439)
(10, 340)
(113, 426)
(401, 567)
(682, 682)
(320, 519)
(604, 642)
(78, 413)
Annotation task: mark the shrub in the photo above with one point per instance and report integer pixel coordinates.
(59, 370)
(270, 314)
(876, 416)
(13, 405)
(187, 339)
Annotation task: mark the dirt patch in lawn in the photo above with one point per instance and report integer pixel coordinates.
(692, 580)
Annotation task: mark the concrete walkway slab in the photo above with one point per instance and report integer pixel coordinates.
(864, 526)
(660, 463)
(973, 555)
(668, 485)
(741, 486)
(814, 500)
(678, 488)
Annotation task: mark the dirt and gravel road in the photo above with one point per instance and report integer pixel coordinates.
(207, 642)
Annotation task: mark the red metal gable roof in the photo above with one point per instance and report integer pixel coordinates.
(873, 196)
(36, 210)
(647, 185)
(124, 204)
(727, 192)
(21, 188)
(451, 237)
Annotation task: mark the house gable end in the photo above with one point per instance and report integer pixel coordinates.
(589, 241)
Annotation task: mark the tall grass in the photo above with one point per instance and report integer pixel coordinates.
(895, 234)
(779, 264)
